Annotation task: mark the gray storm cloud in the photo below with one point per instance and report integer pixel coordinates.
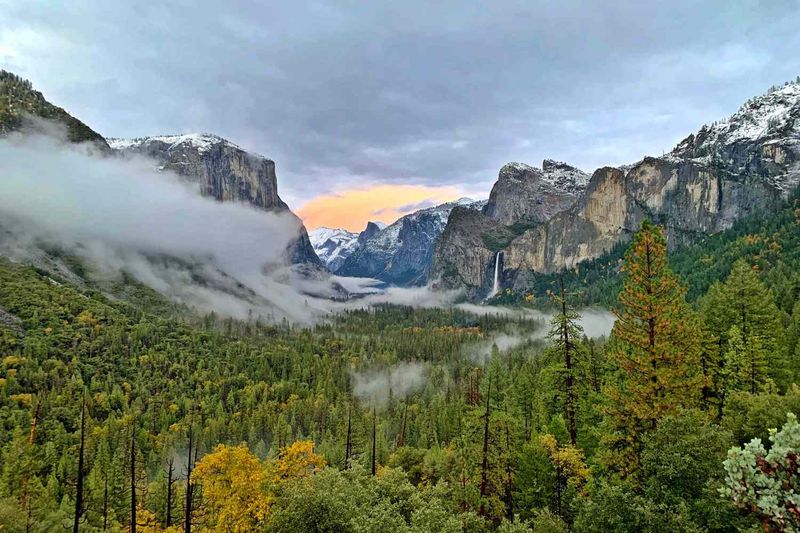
(406, 92)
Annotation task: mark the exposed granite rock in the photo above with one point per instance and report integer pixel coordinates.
(369, 232)
(10, 321)
(732, 169)
(461, 258)
(223, 171)
(401, 253)
(525, 194)
(688, 200)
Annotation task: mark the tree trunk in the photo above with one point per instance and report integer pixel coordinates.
(35, 421)
(569, 404)
(133, 482)
(485, 453)
(374, 435)
(105, 502)
(402, 440)
(187, 521)
(81, 451)
(509, 492)
(170, 471)
(651, 326)
(595, 376)
(348, 447)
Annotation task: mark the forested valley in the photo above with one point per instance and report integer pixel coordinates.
(120, 411)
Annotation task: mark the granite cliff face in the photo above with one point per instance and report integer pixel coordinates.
(401, 253)
(724, 172)
(525, 194)
(333, 245)
(522, 199)
(369, 232)
(223, 171)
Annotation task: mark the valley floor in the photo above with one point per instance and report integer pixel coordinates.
(399, 419)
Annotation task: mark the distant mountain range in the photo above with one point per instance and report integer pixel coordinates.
(398, 254)
(536, 223)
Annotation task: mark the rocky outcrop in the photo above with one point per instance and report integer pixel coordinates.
(223, 171)
(461, 257)
(401, 253)
(333, 245)
(10, 321)
(369, 232)
(727, 171)
(526, 194)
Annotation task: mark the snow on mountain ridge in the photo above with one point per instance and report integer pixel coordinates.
(768, 115)
(760, 137)
(401, 252)
(202, 141)
(333, 245)
(558, 174)
(388, 239)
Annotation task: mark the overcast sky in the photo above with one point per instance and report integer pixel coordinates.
(350, 95)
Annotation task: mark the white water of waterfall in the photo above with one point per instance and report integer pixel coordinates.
(496, 283)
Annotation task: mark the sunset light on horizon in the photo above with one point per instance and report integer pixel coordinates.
(351, 209)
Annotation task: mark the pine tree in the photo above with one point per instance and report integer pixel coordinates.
(79, 509)
(655, 344)
(715, 328)
(750, 306)
(746, 363)
(484, 487)
(792, 341)
(565, 334)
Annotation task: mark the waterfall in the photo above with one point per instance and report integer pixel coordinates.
(497, 272)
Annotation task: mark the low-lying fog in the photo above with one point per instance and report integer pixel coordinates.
(123, 215)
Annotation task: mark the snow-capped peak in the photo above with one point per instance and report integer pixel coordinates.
(389, 238)
(200, 141)
(333, 245)
(761, 118)
(558, 174)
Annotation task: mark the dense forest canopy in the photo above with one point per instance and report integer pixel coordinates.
(122, 412)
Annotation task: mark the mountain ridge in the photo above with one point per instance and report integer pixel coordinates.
(224, 171)
(21, 105)
(401, 252)
(723, 172)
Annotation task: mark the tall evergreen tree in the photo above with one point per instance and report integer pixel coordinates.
(746, 363)
(565, 334)
(81, 469)
(655, 344)
(750, 306)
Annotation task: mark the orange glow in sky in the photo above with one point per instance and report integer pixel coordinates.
(351, 209)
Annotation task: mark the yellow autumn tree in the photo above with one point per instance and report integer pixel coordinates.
(296, 460)
(146, 521)
(233, 481)
(571, 472)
